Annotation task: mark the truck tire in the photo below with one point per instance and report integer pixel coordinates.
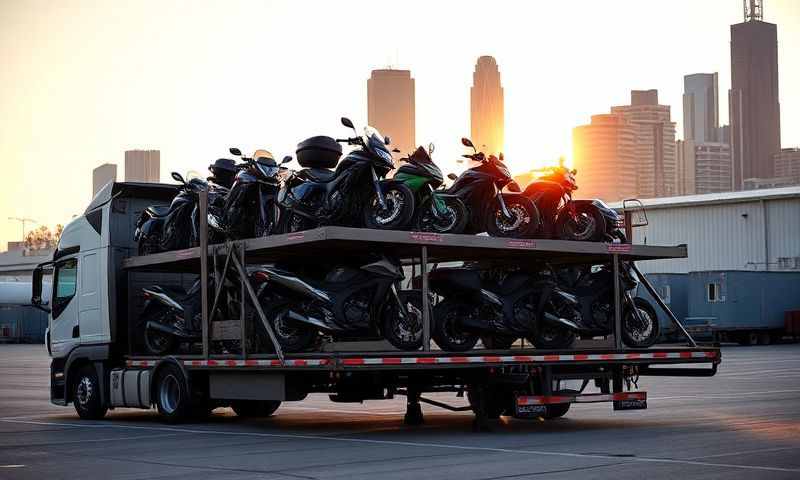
(747, 339)
(255, 408)
(172, 395)
(86, 394)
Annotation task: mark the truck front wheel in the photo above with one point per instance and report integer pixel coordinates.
(172, 395)
(86, 396)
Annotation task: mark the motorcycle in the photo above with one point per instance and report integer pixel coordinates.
(498, 306)
(250, 209)
(355, 194)
(346, 302)
(569, 219)
(490, 209)
(589, 304)
(438, 211)
(161, 228)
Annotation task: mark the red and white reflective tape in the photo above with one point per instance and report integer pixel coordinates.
(527, 358)
(587, 398)
(239, 363)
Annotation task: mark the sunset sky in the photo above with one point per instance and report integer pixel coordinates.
(82, 81)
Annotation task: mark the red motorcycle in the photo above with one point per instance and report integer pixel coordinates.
(563, 217)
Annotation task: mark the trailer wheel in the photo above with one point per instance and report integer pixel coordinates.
(86, 395)
(494, 404)
(556, 410)
(173, 399)
(747, 339)
(255, 408)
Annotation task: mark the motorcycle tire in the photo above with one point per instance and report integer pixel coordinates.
(591, 229)
(405, 334)
(291, 222)
(445, 329)
(158, 343)
(455, 220)
(148, 245)
(635, 335)
(553, 338)
(525, 221)
(497, 342)
(292, 336)
(399, 209)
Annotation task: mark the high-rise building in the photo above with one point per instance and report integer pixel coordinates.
(487, 107)
(700, 107)
(143, 166)
(603, 152)
(755, 111)
(685, 165)
(712, 171)
(390, 106)
(787, 164)
(103, 174)
(654, 143)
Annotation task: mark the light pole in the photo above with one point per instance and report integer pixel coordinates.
(23, 221)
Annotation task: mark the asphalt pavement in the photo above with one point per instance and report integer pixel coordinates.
(742, 423)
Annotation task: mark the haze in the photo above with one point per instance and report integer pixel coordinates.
(82, 81)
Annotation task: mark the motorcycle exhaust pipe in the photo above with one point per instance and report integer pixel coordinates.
(562, 322)
(292, 315)
(171, 330)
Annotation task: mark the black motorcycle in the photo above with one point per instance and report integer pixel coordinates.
(161, 228)
(501, 214)
(355, 194)
(345, 302)
(498, 306)
(437, 211)
(250, 209)
(590, 304)
(569, 219)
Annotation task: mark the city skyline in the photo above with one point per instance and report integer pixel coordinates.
(391, 106)
(487, 106)
(126, 77)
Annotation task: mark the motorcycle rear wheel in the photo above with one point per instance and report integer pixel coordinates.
(158, 343)
(636, 335)
(523, 224)
(588, 225)
(446, 331)
(398, 212)
(497, 342)
(148, 245)
(454, 221)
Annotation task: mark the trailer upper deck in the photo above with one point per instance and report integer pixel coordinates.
(352, 242)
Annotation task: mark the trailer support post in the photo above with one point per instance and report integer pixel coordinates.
(426, 314)
(204, 269)
(664, 307)
(617, 306)
(242, 325)
(413, 414)
(218, 279)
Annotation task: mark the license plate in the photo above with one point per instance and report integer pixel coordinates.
(530, 411)
(630, 404)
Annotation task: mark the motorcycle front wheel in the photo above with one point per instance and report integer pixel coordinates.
(586, 225)
(148, 245)
(405, 332)
(454, 220)
(644, 333)
(523, 222)
(398, 212)
(158, 343)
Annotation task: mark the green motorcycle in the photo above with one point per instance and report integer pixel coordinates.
(438, 211)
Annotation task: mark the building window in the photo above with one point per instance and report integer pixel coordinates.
(665, 293)
(714, 293)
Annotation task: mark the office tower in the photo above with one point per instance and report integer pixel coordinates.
(654, 149)
(103, 174)
(390, 105)
(142, 166)
(787, 164)
(755, 111)
(700, 107)
(713, 172)
(603, 152)
(685, 165)
(487, 110)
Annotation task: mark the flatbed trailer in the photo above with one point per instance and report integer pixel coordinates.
(521, 381)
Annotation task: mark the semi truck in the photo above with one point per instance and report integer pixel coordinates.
(97, 363)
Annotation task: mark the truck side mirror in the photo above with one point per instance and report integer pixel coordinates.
(36, 287)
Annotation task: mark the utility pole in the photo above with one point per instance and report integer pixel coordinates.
(23, 221)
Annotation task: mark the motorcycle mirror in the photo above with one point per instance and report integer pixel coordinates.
(431, 147)
(387, 140)
(395, 150)
(178, 177)
(286, 159)
(467, 143)
(451, 176)
(574, 171)
(235, 151)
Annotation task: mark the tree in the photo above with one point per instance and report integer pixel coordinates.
(42, 238)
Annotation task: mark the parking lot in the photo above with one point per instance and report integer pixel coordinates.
(742, 423)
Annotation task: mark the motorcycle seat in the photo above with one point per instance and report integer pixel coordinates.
(174, 292)
(319, 175)
(158, 210)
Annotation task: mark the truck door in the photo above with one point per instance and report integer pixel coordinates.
(90, 318)
(64, 330)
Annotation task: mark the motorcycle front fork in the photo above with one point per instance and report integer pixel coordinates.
(378, 191)
(503, 207)
(401, 308)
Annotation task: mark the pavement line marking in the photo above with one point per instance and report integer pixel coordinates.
(745, 452)
(332, 410)
(11, 466)
(422, 445)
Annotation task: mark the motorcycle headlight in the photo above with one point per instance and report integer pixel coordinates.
(385, 155)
